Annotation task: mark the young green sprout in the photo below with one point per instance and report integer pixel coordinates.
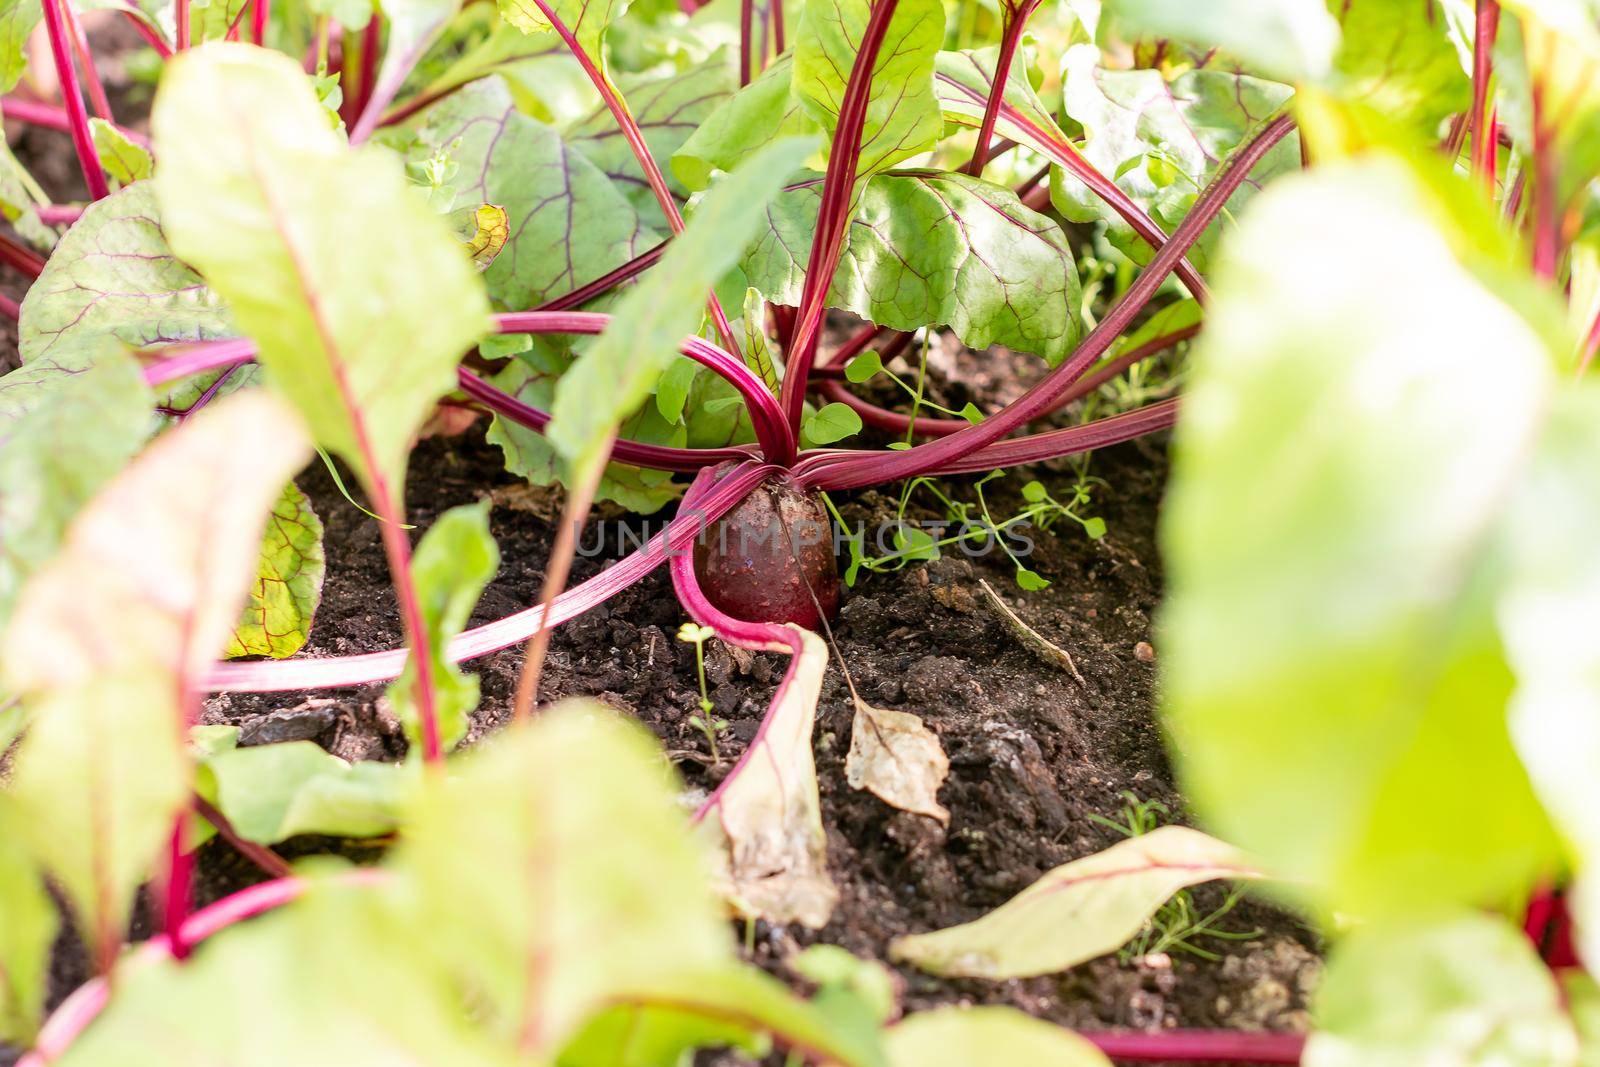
(703, 720)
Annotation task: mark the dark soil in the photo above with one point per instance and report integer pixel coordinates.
(1035, 752)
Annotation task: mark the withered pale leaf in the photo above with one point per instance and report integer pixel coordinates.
(1078, 911)
(766, 817)
(894, 756)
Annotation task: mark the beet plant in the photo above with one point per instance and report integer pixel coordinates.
(632, 239)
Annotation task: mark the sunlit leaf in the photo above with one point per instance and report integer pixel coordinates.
(328, 260)
(587, 19)
(484, 230)
(456, 558)
(957, 1037)
(764, 111)
(1162, 141)
(1078, 911)
(668, 110)
(569, 224)
(64, 432)
(902, 116)
(1352, 428)
(615, 375)
(1290, 40)
(283, 598)
(124, 161)
(931, 246)
(18, 18)
(583, 878)
(1396, 58)
(273, 792)
(1462, 991)
(108, 637)
(27, 932)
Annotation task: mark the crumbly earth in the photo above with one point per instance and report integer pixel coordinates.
(1036, 752)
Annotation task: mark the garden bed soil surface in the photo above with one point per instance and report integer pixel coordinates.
(1035, 751)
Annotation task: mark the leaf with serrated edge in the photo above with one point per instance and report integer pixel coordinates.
(615, 375)
(928, 246)
(896, 757)
(64, 432)
(287, 588)
(959, 1037)
(568, 224)
(1078, 911)
(1461, 990)
(328, 259)
(456, 558)
(584, 878)
(766, 818)
(903, 117)
(108, 636)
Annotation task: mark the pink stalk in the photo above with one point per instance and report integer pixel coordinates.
(1591, 343)
(181, 15)
(1199, 1046)
(150, 34)
(1483, 124)
(607, 282)
(641, 152)
(833, 215)
(10, 308)
(51, 117)
(260, 13)
(1014, 21)
(91, 75)
(59, 214)
(776, 17)
(1063, 154)
(1048, 391)
(1546, 221)
(55, 21)
(894, 422)
(366, 79)
(772, 431)
(271, 676)
(655, 457)
(746, 41)
(86, 1002)
(382, 92)
(178, 890)
(20, 258)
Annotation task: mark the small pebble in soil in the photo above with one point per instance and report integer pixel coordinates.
(1144, 652)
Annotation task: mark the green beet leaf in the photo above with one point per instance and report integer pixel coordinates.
(113, 274)
(830, 423)
(66, 427)
(124, 161)
(617, 373)
(569, 224)
(272, 792)
(553, 872)
(27, 932)
(1288, 40)
(1396, 58)
(587, 20)
(958, 1037)
(931, 246)
(17, 21)
(764, 111)
(108, 636)
(283, 598)
(531, 377)
(1163, 141)
(1463, 990)
(455, 560)
(903, 117)
(360, 299)
(1332, 676)
(668, 110)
